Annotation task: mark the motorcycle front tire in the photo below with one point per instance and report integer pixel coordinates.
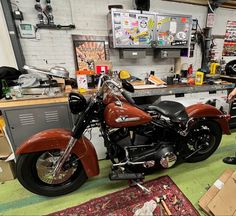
(28, 177)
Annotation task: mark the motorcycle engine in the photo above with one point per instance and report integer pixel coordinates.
(161, 152)
(166, 156)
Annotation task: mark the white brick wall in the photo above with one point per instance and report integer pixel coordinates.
(55, 46)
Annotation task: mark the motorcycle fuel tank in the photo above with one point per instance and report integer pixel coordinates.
(125, 115)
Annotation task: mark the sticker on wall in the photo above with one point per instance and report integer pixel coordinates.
(117, 28)
(179, 43)
(183, 19)
(123, 40)
(131, 31)
(162, 21)
(126, 23)
(132, 15)
(181, 35)
(139, 35)
(119, 34)
(135, 42)
(117, 19)
(143, 22)
(135, 23)
(173, 27)
(143, 40)
(151, 24)
(186, 27)
(171, 38)
(163, 34)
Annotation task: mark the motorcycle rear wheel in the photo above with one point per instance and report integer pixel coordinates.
(31, 173)
(203, 132)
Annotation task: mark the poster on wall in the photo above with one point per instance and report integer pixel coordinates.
(230, 39)
(88, 50)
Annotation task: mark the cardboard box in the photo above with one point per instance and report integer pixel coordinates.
(224, 203)
(7, 164)
(5, 149)
(206, 199)
(7, 170)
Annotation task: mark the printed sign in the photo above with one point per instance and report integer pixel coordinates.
(178, 43)
(88, 50)
(230, 39)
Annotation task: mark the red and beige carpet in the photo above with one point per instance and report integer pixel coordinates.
(133, 201)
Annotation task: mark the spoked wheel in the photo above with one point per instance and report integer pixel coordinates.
(35, 173)
(202, 141)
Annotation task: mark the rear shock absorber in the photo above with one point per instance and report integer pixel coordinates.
(38, 7)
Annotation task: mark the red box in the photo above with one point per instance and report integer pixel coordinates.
(100, 68)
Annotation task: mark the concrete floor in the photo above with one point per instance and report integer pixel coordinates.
(192, 179)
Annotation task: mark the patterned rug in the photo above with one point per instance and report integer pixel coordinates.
(133, 201)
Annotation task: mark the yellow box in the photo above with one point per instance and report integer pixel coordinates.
(199, 78)
(213, 68)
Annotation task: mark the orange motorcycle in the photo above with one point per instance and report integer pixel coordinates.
(138, 140)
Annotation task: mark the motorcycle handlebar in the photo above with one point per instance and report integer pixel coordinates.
(127, 97)
(124, 93)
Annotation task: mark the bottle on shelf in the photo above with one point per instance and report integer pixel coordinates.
(190, 70)
(6, 90)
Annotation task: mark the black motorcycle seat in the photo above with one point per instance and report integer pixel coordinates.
(171, 109)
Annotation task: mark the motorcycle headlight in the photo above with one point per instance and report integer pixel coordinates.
(77, 102)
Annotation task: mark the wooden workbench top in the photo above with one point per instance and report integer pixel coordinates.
(37, 100)
(31, 101)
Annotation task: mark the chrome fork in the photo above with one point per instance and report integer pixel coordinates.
(64, 156)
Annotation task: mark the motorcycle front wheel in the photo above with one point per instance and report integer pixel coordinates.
(202, 141)
(34, 172)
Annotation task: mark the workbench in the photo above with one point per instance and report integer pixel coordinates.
(29, 115)
(228, 78)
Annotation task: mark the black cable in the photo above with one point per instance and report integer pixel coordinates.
(15, 5)
(46, 17)
(200, 28)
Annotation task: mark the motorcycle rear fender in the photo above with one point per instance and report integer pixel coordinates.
(207, 111)
(58, 139)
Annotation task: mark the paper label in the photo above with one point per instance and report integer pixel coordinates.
(219, 184)
(173, 27)
(82, 81)
(210, 20)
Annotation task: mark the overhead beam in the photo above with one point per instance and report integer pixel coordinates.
(227, 4)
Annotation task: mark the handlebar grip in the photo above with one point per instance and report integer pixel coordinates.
(127, 97)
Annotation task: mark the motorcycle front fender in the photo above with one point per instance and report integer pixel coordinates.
(198, 111)
(58, 139)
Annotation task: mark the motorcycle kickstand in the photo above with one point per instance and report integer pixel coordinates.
(135, 182)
